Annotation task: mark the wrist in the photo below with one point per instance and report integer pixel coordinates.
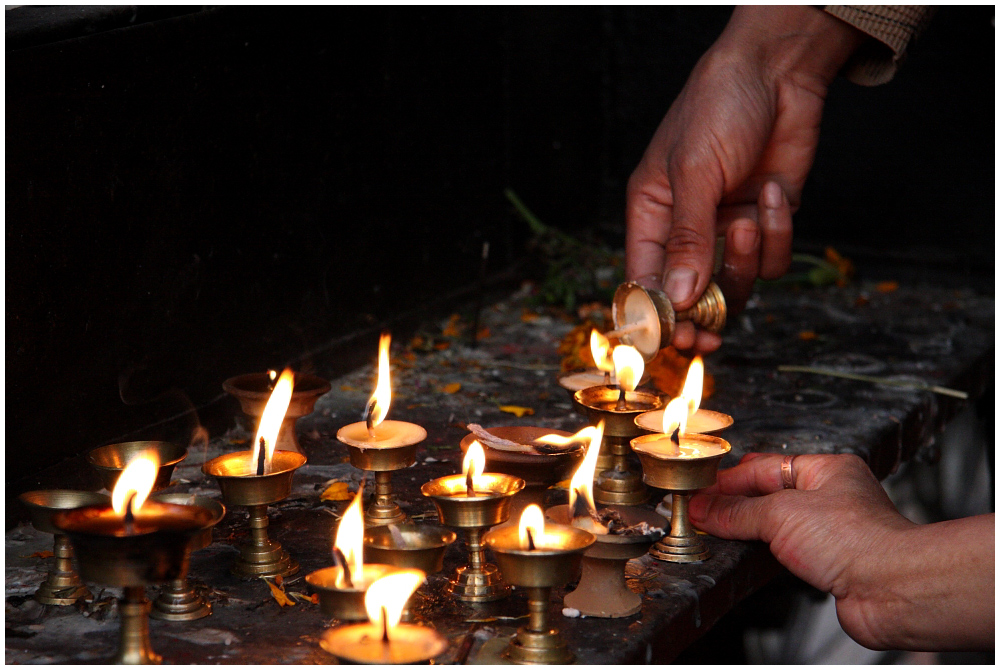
(801, 42)
(925, 587)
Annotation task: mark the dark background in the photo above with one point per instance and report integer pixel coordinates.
(193, 193)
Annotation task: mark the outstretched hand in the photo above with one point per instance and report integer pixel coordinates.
(898, 585)
(730, 158)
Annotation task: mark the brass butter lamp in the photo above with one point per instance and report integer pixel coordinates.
(130, 544)
(645, 317)
(680, 463)
(341, 588)
(537, 557)
(472, 503)
(111, 459)
(382, 639)
(260, 556)
(62, 585)
(256, 479)
(617, 407)
(178, 600)
(620, 534)
(380, 446)
(253, 391)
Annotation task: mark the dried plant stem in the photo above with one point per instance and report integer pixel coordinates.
(902, 383)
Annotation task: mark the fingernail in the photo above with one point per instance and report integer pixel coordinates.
(772, 195)
(744, 240)
(680, 284)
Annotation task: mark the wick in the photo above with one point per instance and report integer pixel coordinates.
(261, 456)
(469, 491)
(580, 506)
(369, 418)
(675, 437)
(622, 405)
(607, 378)
(385, 625)
(130, 515)
(531, 540)
(341, 561)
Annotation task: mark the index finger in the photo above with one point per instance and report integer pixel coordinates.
(760, 474)
(696, 191)
(647, 216)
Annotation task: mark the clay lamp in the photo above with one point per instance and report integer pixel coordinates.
(254, 390)
(699, 420)
(62, 586)
(472, 503)
(381, 446)
(111, 459)
(621, 534)
(645, 317)
(257, 478)
(382, 639)
(516, 451)
(680, 463)
(132, 543)
(617, 407)
(537, 557)
(178, 600)
(341, 588)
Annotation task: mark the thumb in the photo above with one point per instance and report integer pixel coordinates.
(732, 517)
(690, 247)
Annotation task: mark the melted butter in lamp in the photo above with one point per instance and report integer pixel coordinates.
(152, 517)
(584, 380)
(675, 442)
(488, 485)
(362, 643)
(690, 447)
(701, 421)
(388, 434)
(384, 639)
(375, 432)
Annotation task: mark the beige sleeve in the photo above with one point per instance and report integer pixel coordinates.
(892, 28)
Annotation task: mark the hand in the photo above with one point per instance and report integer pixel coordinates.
(898, 585)
(731, 157)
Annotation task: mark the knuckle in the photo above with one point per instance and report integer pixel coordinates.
(636, 182)
(684, 163)
(851, 462)
(685, 240)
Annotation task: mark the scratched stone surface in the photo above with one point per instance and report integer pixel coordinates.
(939, 336)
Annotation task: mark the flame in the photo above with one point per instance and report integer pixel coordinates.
(272, 374)
(582, 482)
(675, 415)
(389, 595)
(628, 366)
(599, 349)
(475, 458)
(531, 518)
(351, 539)
(138, 477)
(382, 397)
(270, 420)
(693, 384)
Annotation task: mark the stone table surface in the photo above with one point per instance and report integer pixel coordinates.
(939, 336)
